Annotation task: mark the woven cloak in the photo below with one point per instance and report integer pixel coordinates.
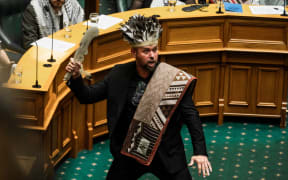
(157, 105)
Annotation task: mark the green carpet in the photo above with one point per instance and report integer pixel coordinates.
(237, 150)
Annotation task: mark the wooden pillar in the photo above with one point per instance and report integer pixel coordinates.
(221, 100)
(91, 6)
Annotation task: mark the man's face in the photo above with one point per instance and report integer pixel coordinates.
(146, 57)
(57, 4)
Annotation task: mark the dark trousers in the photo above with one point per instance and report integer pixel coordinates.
(129, 169)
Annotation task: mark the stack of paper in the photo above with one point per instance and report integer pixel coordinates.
(58, 45)
(104, 22)
(266, 9)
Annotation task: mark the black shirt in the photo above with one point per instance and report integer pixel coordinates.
(136, 89)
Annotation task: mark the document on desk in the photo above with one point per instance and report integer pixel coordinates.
(58, 45)
(266, 9)
(104, 22)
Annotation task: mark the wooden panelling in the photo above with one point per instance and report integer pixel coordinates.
(206, 68)
(110, 44)
(49, 99)
(237, 95)
(239, 85)
(66, 123)
(87, 64)
(192, 34)
(29, 107)
(255, 58)
(269, 89)
(109, 49)
(80, 117)
(100, 130)
(55, 136)
(48, 141)
(60, 85)
(28, 142)
(192, 59)
(97, 113)
(60, 131)
(100, 109)
(253, 34)
(206, 92)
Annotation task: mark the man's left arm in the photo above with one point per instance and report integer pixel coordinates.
(191, 118)
(30, 27)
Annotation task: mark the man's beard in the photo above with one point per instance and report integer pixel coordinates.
(149, 68)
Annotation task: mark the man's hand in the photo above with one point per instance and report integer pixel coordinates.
(203, 164)
(74, 68)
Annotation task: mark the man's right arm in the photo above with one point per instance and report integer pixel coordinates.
(29, 27)
(88, 94)
(85, 94)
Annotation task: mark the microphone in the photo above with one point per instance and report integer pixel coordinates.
(36, 85)
(51, 59)
(219, 9)
(284, 7)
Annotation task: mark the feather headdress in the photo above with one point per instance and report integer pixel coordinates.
(141, 31)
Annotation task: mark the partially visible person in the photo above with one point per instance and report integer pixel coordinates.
(5, 65)
(239, 1)
(41, 16)
(9, 165)
(15, 163)
(137, 4)
(255, 2)
(4, 60)
(271, 2)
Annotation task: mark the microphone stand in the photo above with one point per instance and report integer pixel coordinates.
(220, 9)
(46, 8)
(51, 58)
(284, 11)
(36, 85)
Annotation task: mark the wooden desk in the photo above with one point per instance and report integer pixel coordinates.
(240, 60)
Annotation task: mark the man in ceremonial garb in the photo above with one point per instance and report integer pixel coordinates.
(147, 104)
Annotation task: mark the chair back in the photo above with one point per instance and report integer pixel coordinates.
(123, 5)
(10, 24)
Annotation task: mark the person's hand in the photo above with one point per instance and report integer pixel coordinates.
(74, 68)
(203, 164)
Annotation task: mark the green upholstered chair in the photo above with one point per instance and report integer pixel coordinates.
(107, 6)
(123, 5)
(10, 26)
(82, 3)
